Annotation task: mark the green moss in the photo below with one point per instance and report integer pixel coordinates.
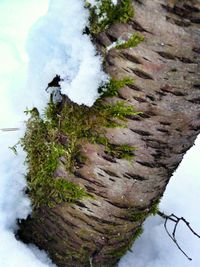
(119, 110)
(121, 251)
(133, 41)
(43, 153)
(67, 191)
(61, 133)
(107, 13)
(154, 207)
(112, 88)
(140, 215)
(120, 151)
(137, 234)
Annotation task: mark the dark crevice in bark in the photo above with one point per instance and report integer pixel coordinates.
(141, 132)
(142, 74)
(134, 177)
(131, 58)
(110, 173)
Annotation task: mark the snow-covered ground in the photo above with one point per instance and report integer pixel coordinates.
(54, 47)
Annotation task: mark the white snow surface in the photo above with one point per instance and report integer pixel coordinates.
(57, 46)
(98, 2)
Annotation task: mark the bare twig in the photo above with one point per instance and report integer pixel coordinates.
(176, 220)
(9, 129)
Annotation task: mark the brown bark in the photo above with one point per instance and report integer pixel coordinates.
(165, 68)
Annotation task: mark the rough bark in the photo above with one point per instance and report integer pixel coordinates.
(165, 68)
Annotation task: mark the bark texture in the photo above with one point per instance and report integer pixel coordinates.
(165, 68)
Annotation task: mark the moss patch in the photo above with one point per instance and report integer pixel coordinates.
(154, 207)
(133, 41)
(120, 151)
(43, 153)
(112, 88)
(105, 13)
(140, 215)
(121, 251)
(61, 133)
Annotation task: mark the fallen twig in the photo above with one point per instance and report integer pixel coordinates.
(176, 221)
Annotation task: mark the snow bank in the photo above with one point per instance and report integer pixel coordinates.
(57, 46)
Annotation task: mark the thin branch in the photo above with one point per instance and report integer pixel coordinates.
(176, 220)
(9, 129)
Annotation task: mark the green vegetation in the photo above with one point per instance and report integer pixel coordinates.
(137, 216)
(105, 13)
(121, 251)
(43, 153)
(137, 234)
(119, 110)
(61, 133)
(120, 151)
(112, 88)
(143, 214)
(154, 207)
(133, 41)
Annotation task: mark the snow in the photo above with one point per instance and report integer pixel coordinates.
(98, 2)
(114, 44)
(13, 202)
(57, 46)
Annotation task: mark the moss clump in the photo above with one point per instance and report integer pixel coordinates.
(43, 153)
(137, 234)
(141, 215)
(133, 41)
(105, 13)
(121, 251)
(112, 88)
(120, 151)
(154, 207)
(61, 133)
(119, 110)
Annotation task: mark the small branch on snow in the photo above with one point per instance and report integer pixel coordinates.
(176, 220)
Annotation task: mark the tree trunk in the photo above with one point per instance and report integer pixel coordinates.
(97, 232)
